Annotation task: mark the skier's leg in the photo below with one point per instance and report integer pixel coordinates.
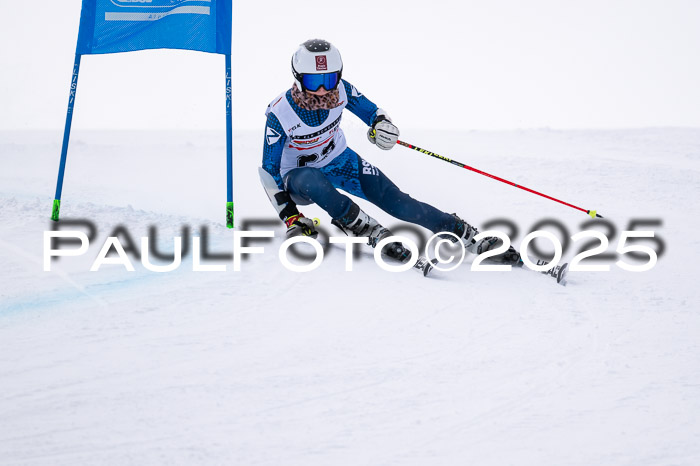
(312, 185)
(382, 192)
(309, 185)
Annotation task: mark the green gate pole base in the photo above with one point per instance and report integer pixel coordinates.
(229, 214)
(56, 209)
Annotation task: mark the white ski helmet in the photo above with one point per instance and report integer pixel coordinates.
(321, 61)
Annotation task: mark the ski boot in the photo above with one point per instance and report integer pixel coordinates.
(362, 225)
(466, 234)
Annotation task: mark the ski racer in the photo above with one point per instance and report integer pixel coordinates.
(306, 157)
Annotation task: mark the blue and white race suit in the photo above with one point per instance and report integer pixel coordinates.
(306, 153)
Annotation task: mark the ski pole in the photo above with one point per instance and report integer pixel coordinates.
(592, 213)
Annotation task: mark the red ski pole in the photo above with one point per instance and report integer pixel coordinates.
(592, 213)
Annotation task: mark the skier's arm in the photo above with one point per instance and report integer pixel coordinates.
(286, 208)
(360, 105)
(273, 143)
(383, 133)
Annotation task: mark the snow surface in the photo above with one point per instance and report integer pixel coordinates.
(269, 367)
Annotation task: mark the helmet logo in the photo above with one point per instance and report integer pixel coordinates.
(321, 63)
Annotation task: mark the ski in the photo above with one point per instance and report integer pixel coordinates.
(424, 265)
(558, 272)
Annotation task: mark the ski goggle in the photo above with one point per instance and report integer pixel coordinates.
(313, 82)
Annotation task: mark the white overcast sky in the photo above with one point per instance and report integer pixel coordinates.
(430, 64)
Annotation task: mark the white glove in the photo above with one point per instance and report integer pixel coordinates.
(383, 133)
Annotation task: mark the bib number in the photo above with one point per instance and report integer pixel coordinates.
(304, 160)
